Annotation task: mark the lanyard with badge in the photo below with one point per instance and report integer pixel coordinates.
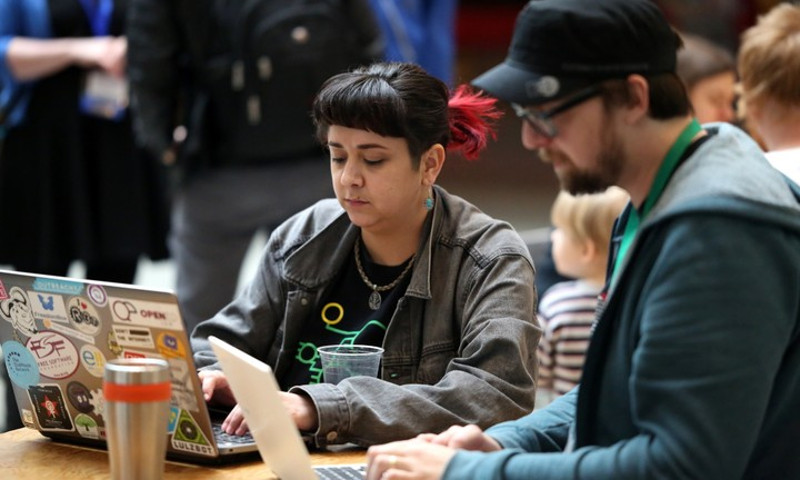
(668, 166)
(104, 95)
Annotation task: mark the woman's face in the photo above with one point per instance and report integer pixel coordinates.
(375, 180)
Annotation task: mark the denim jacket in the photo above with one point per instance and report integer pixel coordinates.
(460, 347)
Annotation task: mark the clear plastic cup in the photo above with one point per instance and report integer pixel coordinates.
(344, 361)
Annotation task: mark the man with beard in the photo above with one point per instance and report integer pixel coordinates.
(693, 367)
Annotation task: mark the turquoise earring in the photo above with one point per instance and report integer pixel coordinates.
(429, 203)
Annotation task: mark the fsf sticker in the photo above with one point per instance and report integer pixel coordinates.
(55, 354)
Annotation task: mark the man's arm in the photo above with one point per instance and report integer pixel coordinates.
(714, 327)
(153, 64)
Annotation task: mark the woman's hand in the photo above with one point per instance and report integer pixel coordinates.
(235, 423)
(215, 387)
(302, 411)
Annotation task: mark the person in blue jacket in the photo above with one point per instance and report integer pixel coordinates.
(693, 371)
(421, 32)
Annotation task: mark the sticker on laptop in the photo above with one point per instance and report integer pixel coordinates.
(87, 426)
(93, 360)
(16, 310)
(183, 384)
(135, 337)
(170, 346)
(48, 306)
(189, 437)
(57, 327)
(83, 316)
(49, 407)
(20, 363)
(80, 397)
(97, 295)
(55, 354)
(150, 314)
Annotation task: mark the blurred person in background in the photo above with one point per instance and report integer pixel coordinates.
(709, 73)
(222, 93)
(769, 62)
(72, 184)
(580, 244)
(421, 32)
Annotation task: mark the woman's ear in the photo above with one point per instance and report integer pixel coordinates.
(432, 162)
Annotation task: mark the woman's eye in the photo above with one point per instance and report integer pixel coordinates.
(337, 159)
(373, 162)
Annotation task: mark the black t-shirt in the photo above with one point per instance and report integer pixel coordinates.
(345, 317)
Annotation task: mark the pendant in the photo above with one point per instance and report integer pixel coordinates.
(374, 300)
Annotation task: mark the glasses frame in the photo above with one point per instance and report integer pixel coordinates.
(541, 121)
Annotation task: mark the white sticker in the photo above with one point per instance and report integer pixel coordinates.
(136, 337)
(55, 354)
(48, 306)
(83, 316)
(151, 314)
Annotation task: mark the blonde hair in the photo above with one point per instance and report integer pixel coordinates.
(769, 57)
(590, 216)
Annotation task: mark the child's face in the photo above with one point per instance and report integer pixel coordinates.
(568, 253)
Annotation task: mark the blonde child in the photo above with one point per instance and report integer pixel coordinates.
(580, 244)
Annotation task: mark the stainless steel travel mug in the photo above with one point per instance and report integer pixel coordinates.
(137, 393)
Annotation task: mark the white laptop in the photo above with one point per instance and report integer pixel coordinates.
(56, 334)
(276, 435)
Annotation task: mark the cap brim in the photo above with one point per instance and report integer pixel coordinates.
(517, 85)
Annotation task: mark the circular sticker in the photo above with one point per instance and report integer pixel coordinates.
(21, 365)
(97, 295)
(93, 360)
(55, 354)
(86, 426)
(83, 316)
(79, 397)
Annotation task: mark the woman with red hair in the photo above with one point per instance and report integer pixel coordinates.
(394, 261)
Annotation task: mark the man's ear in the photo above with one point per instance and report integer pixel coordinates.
(432, 162)
(639, 103)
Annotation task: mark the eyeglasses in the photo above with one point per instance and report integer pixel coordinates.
(541, 121)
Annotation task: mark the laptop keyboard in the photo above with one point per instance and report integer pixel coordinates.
(342, 472)
(224, 438)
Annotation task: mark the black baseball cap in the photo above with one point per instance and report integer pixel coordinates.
(561, 46)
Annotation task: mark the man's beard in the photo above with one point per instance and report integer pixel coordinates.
(596, 179)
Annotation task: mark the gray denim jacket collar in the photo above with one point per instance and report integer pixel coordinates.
(320, 250)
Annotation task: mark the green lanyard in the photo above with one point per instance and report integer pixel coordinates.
(663, 175)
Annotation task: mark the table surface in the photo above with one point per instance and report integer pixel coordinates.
(26, 454)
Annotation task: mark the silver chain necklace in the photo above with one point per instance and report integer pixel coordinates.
(375, 296)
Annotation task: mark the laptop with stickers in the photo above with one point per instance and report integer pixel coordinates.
(56, 335)
(278, 439)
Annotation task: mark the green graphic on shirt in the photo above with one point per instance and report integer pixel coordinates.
(307, 352)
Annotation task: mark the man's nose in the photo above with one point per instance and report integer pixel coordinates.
(533, 140)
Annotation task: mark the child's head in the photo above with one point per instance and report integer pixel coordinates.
(582, 231)
(709, 72)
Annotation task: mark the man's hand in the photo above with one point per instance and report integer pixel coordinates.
(469, 437)
(416, 458)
